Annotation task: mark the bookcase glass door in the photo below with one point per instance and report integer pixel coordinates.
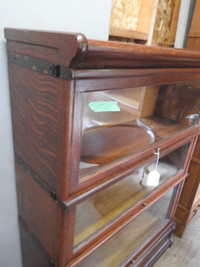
(126, 241)
(120, 122)
(101, 209)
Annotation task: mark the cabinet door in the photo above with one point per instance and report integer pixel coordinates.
(132, 236)
(121, 126)
(95, 215)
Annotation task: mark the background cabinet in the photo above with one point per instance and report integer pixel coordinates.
(91, 121)
(190, 199)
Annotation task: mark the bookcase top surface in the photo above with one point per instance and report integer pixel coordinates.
(77, 52)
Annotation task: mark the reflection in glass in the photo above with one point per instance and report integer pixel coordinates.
(121, 245)
(100, 209)
(117, 123)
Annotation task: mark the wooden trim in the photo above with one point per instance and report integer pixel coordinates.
(76, 51)
(128, 73)
(135, 79)
(72, 47)
(119, 32)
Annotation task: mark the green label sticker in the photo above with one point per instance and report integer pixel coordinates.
(104, 106)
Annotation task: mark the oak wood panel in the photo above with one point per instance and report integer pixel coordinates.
(43, 52)
(32, 253)
(38, 121)
(77, 52)
(71, 46)
(132, 56)
(128, 79)
(36, 208)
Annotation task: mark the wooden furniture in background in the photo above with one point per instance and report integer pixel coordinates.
(189, 203)
(85, 143)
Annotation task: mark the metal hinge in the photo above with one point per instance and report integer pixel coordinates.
(41, 65)
(50, 191)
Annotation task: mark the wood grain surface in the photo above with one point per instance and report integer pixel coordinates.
(36, 117)
(47, 116)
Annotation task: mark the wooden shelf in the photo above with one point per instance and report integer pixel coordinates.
(103, 145)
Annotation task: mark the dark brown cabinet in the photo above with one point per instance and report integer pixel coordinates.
(189, 203)
(103, 136)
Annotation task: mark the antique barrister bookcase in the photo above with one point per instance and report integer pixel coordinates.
(103, 136)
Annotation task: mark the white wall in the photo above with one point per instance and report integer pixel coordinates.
(90, 17)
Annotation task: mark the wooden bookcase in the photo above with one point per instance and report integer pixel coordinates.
(90, 121)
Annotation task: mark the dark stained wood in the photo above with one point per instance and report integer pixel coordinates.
(32, 252)
(40, 110)
(71, 46)
(47, 114)
(76, 51)
(130, 79)
(35, 117)
(188, 206)
(36, 207)
(46, 53)
(190, 199)
(127, 56)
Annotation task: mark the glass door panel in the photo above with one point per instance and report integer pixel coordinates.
(100, 209)
(117, 123)
(126, 241)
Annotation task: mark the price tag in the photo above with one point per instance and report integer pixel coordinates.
(153, 178)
